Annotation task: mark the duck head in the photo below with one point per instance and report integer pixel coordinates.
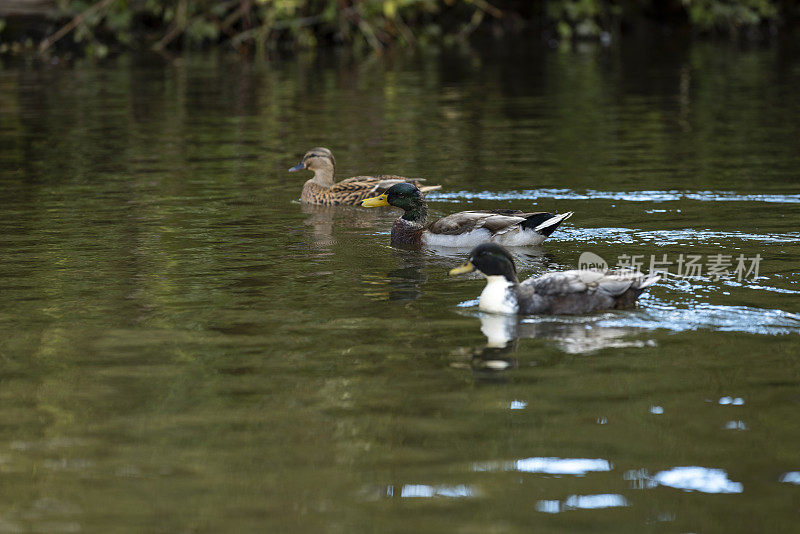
(405, 196)
(320, 161)
(491, 260)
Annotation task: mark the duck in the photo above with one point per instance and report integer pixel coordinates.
(322, 190)
(465, 228)
(564, 292)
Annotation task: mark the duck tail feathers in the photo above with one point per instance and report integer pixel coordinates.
(649, 280)
(549, 225)
(429, 188)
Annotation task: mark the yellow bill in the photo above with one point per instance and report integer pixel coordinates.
(466, 268)
(375, 202)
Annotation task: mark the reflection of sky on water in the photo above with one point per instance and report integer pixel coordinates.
(618, 235)
(658, 314)
(768, 288)
(700, 479)
(426, 492)
(629, 196)
(792, 477)
(582, 502)
(550, 466)
(639, 479)
(692, 478)
(419, 491)
(735, 425)
(738, 401)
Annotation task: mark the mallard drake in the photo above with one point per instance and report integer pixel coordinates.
(577, 291)
(322, 190)
(463, 229)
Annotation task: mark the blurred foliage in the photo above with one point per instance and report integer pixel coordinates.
(581, 18)
(98, 26)
(730, 15)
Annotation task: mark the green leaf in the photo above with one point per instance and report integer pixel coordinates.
(564, 30)
(390, 9)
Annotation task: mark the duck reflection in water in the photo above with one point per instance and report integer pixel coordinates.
(323, 219)
(406, 282)
(574, 335)
(489, 361)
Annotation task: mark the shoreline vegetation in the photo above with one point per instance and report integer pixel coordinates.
(101, 27)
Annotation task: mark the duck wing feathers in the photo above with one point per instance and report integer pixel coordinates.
(581, 291)
(469, 221)
(496, 221)
(352, 191)
(613, 283)
(376, 185)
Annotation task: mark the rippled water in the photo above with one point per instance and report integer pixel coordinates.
(630, 196)
(186, 348)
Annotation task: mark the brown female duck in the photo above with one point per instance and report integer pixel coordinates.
(322, 190)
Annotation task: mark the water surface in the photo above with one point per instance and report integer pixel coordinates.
(186, 348)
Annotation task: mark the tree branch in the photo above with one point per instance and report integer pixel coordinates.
(71, 25)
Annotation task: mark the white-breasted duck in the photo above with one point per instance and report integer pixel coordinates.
(565, 292)
(465, 228)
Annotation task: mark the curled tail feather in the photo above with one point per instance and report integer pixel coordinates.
(546, 223)
(428, 188)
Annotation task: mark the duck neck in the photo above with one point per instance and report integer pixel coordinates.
(406, 233)
(417, 213)
(498, 296)
(324, 176)
(511, 276)
(502, 270)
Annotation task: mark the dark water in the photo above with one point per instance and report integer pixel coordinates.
(185, 348)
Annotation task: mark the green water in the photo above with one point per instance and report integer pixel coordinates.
(186, 348)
